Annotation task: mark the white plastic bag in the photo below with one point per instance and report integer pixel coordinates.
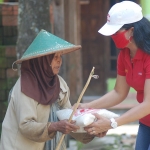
(84, 117)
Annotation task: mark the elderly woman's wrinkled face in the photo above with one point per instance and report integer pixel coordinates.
(56, 63)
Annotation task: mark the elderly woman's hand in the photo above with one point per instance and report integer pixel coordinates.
(63, 126)
(101, 125)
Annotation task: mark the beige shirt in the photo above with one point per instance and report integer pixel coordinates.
(25, 126)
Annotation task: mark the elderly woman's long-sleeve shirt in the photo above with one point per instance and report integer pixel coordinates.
(25, 126)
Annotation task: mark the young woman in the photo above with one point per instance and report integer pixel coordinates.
(130, 32)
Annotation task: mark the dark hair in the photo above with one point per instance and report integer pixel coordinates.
(141, 34)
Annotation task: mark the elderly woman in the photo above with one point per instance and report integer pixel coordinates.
(30, 122)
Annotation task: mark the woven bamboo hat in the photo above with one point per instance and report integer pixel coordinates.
(46, 43)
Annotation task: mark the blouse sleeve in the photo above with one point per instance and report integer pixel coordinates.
(120, 64)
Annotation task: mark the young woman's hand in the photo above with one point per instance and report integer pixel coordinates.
(101, 125)
(81, 105)
(63, 126)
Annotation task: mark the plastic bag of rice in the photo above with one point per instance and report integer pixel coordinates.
(84, 117)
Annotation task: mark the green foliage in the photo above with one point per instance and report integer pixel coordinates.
(79, 145)
(111, 84)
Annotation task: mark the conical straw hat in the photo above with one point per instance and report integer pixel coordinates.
(46, 43)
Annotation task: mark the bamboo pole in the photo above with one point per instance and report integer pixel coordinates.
(77, 104)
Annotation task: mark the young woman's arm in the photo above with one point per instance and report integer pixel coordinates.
(102, 124)
(114, 97)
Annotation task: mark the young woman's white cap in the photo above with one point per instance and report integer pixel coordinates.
(125, 12)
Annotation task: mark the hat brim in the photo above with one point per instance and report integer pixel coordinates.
(64, 51)
(108, 29)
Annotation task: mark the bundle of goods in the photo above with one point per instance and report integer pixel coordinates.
(84, 117)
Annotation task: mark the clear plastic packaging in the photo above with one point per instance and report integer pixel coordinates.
(84, 117)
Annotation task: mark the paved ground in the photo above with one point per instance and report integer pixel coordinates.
(121, 138)
(125, 129)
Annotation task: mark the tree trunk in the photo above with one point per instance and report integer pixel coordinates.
(33, 16)
(67, 26)
(73, 60)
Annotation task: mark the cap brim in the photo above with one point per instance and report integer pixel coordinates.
(108, 29)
